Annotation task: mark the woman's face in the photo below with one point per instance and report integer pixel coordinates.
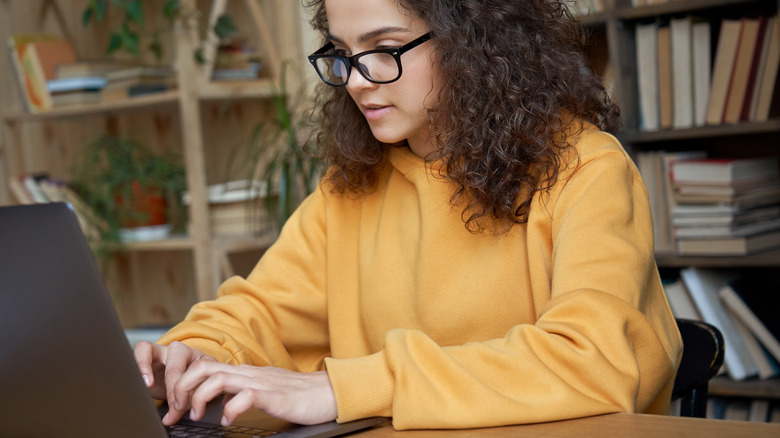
(396, 111)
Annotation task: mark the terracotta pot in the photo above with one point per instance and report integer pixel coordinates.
(148, 207)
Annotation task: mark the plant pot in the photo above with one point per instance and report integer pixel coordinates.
(145, 215)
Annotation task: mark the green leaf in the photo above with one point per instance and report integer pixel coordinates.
(171, 9)
(156, 47)
(200, 58)
(134, 11)
(225, 27)
(130, 41)
(114, 43)
(86, 16)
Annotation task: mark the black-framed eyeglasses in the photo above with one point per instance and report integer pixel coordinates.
(380, 66)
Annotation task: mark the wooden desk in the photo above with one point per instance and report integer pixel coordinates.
(612, 425)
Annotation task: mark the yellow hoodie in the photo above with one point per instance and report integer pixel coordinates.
(416, 318)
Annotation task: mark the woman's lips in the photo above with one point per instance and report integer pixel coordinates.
(375, 112)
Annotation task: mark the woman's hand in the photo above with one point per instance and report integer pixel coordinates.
(303, 398)
(189, 379)
(162, 367)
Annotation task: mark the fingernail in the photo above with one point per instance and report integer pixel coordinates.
(225, 421)
(147, 381)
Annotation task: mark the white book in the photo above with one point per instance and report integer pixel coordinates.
(647, 75)
(682, 72)
(704, 286)
(680, 301)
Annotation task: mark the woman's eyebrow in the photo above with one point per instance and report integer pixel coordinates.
(371, 34)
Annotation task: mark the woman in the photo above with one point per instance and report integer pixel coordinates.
(479, 253)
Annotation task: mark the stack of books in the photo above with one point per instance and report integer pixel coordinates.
(236, 61)
(237, 209)
(725, 206)
(121, 80)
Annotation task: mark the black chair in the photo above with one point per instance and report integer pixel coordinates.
(703, 351)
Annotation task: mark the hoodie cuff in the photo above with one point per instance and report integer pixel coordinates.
(363, 386)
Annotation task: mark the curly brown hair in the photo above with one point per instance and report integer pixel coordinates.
(514, 77)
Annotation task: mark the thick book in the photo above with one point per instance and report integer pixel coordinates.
(733, 246)
(723, 66)
(665, 97)
(740, 76)
(756, 301)
(768, 90)
(724, 171)
(704, 286)
(702, 67)
(647, 75)
(758, 58)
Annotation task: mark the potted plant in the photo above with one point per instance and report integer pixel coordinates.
(132, 192)
(280, 156)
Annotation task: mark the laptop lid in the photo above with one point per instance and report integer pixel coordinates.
(66, 367)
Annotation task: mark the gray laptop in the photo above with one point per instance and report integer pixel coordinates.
(66, 367)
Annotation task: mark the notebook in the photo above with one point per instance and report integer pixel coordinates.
(66, 367)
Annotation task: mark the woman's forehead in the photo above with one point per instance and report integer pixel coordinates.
(351, 18)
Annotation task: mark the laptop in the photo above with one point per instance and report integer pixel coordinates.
(66, 367)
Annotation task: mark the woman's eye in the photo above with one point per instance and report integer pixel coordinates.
(340, 52)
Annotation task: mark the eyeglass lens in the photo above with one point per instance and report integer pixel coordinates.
(379, 67)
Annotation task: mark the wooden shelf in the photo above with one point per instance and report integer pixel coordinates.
(724, 386)
(746, 128)
(764, 259)
(131, 104)
(675, 7)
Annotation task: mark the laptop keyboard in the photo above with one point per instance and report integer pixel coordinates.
(215, 430)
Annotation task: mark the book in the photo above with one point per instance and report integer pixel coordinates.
(647, 75)
(724, 171)
(746, 197)
(60, 85)
(704, 286)
(680, 301)
(733, 246)
(90, 68)
(682, 72)
(665, 103)
(768, 89)
(759, 410)
(18, 191)
(702, 66)
(728, 231)
(723, 66)
(760, 66)
(764, 362)
(755, 66)
(755, 301)
(740, 75)
(77, 97)
(740, 217)
(29, 71)
(51, 54)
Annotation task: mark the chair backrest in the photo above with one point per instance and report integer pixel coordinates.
(703, 351)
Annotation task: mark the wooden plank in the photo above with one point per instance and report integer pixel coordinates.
(189, 107)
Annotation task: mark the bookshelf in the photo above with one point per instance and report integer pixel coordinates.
(157, 281)
(614, 29)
